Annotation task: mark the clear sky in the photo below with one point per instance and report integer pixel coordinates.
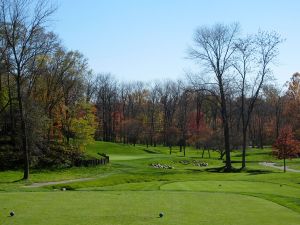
(148, 39)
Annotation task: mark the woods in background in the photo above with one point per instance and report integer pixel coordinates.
(52, 104)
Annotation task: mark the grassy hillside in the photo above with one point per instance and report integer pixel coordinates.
(130, 190)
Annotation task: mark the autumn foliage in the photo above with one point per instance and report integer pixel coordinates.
(286, 146)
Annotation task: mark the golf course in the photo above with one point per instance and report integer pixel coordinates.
(149, 112)
(131, 189)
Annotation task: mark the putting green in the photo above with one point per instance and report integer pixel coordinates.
(141, 207)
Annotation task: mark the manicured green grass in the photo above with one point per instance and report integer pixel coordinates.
(142, 207)
(233, 187)
(119, 151)
(130, 191)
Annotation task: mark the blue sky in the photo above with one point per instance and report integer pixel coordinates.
(148, 39)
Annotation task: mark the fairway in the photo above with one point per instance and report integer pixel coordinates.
(141, 207)
(130, 191)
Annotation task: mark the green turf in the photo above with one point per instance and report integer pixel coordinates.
(143, 207)
(130, 191)
(234, 187)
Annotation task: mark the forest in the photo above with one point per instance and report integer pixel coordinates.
(52, 104)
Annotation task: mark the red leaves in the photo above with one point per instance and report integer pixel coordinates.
(286, 146)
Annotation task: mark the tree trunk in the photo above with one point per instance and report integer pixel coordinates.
(11, 115)
(284, 165)
(23, 132)
(225, 126)
(227, 147)
(244, 149)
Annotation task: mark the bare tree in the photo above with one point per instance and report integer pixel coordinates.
(152, 111)
(214, 48)
(106, 104)
(90, 86)
(258, 52)
(169, 95)
(182, 115)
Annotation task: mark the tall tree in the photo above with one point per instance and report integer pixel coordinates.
(214, 48)
(258, 52)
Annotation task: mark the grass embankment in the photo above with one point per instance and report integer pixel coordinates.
(130, 191)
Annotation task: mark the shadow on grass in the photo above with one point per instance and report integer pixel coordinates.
(195, 170)
(18, 180)
(257, 172)
(151, 151)
(253, 153)
(13, 181)
(248, 161)
(238, 170)
(223, 169)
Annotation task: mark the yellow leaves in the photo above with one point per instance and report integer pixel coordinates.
(84, 124)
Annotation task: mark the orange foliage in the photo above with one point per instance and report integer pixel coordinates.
(286, 146)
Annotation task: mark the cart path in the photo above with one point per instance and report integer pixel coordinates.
(278, 167)
(58, 182)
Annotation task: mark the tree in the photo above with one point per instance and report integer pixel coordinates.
(182, 119)
(214, 48)
(169, 95)
(171, 137)
(106, 103)
(152, 111)
(132, 129)
(27, 41)
(258, 52)
(286, 146)
(275, 100)
(83, 125)
(292, 102)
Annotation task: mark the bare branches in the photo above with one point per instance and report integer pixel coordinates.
(26, 43)
(214, 47)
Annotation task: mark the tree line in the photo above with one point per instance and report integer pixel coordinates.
(52, 104)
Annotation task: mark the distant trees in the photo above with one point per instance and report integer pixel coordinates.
(106, 103)
(132, 130)
(292, 102)
(52, 104)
